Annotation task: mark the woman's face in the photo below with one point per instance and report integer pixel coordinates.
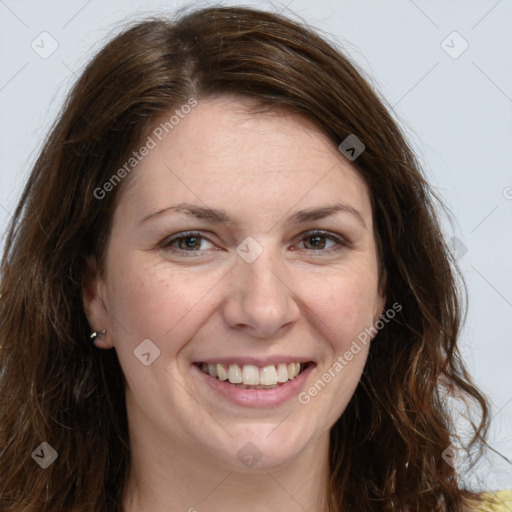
(240, 239)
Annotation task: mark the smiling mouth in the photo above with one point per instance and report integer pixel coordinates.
(249, 376)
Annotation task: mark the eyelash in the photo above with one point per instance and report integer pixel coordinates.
(341, 243)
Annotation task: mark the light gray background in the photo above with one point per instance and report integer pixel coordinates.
(456, 111)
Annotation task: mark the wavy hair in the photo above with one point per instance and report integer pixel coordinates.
(55, 386)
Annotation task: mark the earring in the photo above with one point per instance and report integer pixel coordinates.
(97, 334)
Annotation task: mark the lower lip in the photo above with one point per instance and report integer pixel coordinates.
(257, 397)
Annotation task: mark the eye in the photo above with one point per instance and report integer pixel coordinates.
(186, 242)
(323, 242)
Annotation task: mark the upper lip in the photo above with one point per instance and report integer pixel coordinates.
(256, 361)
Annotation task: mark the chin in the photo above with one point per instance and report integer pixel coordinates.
(261, 447)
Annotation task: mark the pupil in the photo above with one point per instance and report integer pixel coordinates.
(190, 242)
(316, 241)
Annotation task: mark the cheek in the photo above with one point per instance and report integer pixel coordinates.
(342, 310)
(344, 304)
(153, 301)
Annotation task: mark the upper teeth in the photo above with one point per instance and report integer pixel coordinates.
(253, 375)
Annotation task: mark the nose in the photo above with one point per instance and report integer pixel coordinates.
(260, 301)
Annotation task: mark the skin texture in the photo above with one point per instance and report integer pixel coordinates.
(296, 298)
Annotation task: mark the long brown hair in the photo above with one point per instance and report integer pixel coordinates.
(56, 387)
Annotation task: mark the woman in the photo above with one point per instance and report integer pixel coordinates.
(225, 202)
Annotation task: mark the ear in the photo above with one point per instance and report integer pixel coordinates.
(94, 299)
(380, 304)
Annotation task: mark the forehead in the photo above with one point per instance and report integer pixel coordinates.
(222, 150)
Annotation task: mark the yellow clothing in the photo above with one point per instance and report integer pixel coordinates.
(496, 502)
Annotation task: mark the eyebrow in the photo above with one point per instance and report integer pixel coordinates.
(325, 211)
(219, 216)
(213, 214)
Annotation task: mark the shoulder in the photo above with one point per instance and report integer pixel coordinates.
(500, 501)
